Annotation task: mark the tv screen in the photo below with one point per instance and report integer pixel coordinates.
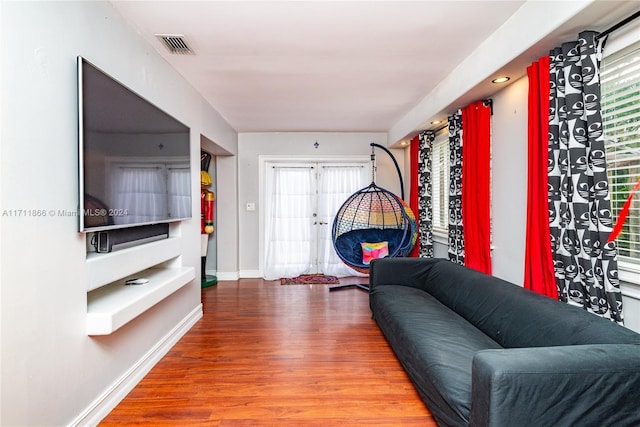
(134, 159)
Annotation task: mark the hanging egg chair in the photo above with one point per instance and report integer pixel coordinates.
(373, 223)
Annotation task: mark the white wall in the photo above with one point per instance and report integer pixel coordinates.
(52, 372)
(509, 181)
(299, 145)
(226, 223)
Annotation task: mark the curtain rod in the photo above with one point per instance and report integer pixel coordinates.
(488, 102)
(446, 125)
(619, 25)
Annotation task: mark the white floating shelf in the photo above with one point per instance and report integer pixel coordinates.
(112, 306)
(106, 268)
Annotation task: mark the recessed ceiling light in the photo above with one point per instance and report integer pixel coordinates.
(501, 79)
(404, 143)
(436, 122)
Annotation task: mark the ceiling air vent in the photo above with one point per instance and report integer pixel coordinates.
(176, 43)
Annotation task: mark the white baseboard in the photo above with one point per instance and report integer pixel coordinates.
(105, 403)
(250, 274)
(227, 275)
(243, 274)
(232, 275)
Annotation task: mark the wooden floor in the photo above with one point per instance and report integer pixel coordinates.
(271, 355)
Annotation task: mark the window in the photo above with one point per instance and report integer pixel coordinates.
(440, 182)
(621, 121)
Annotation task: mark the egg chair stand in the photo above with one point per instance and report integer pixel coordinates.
(376, 216)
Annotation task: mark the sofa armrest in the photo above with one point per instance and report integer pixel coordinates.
(585, 385)
(411, 272)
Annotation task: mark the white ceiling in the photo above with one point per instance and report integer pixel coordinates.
(332, 66)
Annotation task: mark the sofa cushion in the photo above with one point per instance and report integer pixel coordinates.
(517, 317)
(435, 346)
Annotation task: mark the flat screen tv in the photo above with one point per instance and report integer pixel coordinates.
(134, 159)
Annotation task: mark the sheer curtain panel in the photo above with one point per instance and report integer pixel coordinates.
(288, 239)
(144, 189)
(337, 183)
(178, 179)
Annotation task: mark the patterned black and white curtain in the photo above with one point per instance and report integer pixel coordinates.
(424, 193)
(580, 217)
(456, 236)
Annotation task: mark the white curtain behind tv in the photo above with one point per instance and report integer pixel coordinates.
(150, 193)
(178, 188)
(142, 190)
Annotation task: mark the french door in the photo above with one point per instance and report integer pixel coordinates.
(301, 201)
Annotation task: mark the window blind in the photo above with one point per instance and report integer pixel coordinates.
(620, 90)
(440, 181)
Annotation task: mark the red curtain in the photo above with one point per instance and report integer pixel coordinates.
(414, 151)
(476, 186)
(538, 268)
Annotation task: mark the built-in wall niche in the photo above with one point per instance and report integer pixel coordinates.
(111, 302)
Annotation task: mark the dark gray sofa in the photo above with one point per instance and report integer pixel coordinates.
(484, 352)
